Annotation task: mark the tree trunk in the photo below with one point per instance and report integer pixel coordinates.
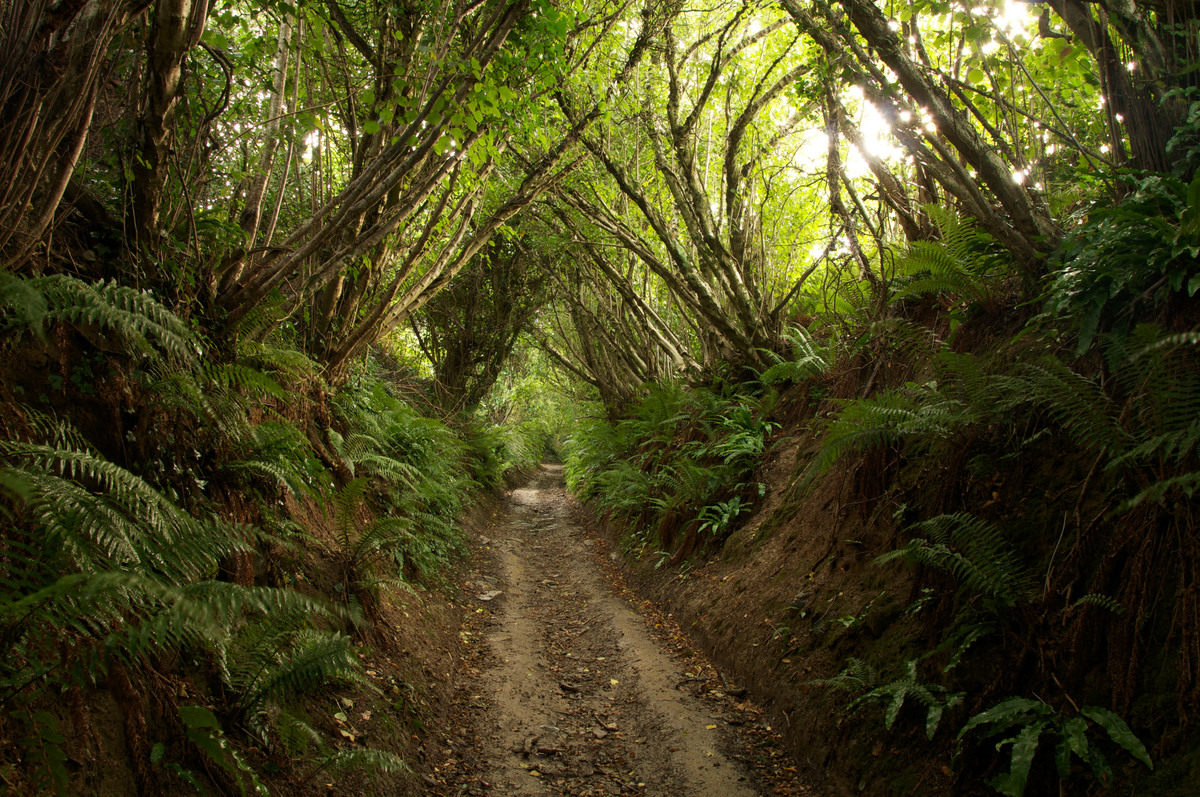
(175, 29)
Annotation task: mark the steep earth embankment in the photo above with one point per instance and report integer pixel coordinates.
(792, 594)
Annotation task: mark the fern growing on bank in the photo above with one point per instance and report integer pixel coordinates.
(859, 678)
(100, 558)
(974, 552)
(1133, 428)
(919, 415)
(964, 262)
(1025, 721)
(103, 567)
(415, 475)
(680, 466)
(142, 326)
(809, 359)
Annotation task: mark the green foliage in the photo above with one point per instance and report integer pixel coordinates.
(417, 472)
(95, 516)
(718, 519)
(1135, 423)
(273, 664)
(964, 262)
(917, 415)
(101, 558)
(1161, 455)
(203, 730)
(858, 676)
(1143, 426)
(1024, 721)
(102, 565)
(285, 363)
(277, 451)
(1128, 260)
(974, 551)
(141, 325)
(374, 553)
(682, 456)
(234, 408)
(809, 359)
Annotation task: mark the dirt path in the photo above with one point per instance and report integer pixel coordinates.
(569, 690)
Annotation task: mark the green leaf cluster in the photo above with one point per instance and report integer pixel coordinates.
(1025, 721)
(684, 457)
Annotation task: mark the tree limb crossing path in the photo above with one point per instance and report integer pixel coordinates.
(573, 690)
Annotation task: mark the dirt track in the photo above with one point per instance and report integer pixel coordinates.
(572, 691)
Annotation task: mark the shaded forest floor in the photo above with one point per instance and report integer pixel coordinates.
(571, 686)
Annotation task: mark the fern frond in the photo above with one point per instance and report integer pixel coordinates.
(247, 380)
(964, 261)
(384, 536)
(1185, 483)
(281, 452)
(1103, 601)
(807, 361)
(146, 326)
(289, 362)
(311, 660)
(117, 519)
(22, 304)
(974, 551)
(1077, 403)
(921, 414)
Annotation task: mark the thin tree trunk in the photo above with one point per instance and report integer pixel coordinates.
(176, 28)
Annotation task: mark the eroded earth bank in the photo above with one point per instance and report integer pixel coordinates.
(572, 687)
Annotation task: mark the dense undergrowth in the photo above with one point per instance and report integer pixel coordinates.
(1040, 459)
(679, 470)
(203, 541)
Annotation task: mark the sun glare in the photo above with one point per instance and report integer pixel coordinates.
(810, 154)
(1013, 18)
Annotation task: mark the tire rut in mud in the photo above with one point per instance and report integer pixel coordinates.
(576, 693)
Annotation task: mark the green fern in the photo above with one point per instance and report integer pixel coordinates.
(223, 396)
(203, 730)
(857, 676)
(279, 451)
(272, 664)
(1103, 601)
(22, 304)
(100, 566)
(1159, 372)
(101, 516)
(288, 363)
(919, 414)
(682, 459)
(974, 552)
(964, 262)
(1025, 721)
(143, 325)
(808, 360)
(1077, 403)
(360, 758)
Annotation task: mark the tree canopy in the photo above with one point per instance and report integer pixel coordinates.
(691, 178)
